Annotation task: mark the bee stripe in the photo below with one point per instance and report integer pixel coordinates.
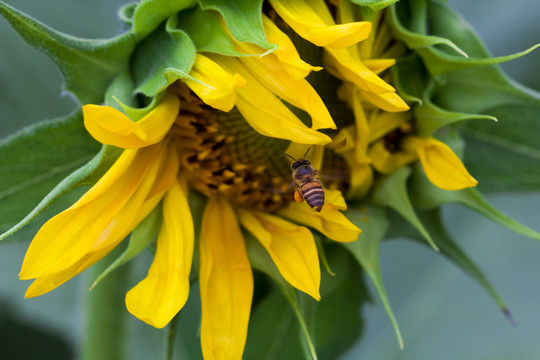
(314, 196)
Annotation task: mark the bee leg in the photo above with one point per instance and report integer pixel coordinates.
(298, 197)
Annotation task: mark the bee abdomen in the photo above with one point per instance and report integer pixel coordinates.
(313, 193)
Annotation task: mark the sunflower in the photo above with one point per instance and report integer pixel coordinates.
(219, 132)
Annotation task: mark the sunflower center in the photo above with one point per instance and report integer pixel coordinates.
(221, 153)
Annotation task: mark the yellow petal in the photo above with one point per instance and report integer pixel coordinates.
(164, 291)
(330, 221)
(386, 162)
(389, 101)
(384, 122)
(265, 112)
(379, 65)
(109, 126)
(443, 168)
(226, 283)
(312, 20)
(213, 84)
(291, 247)
(105, 214)
(353, 70)
(47, 283)
(286, 52)
(298, 92)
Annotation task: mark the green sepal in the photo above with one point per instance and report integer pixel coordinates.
(448, 247)
(206, 32)
(375, 5)
(430, 117)
(162, 58)
(261, 261)
(88, 66)
(126, 13)
(374, 223)
(446, 23)
(391, 191)
(505, 156)
(427, 196)
(150, 13)
(140, 237)
(121, 91)
(410, 78)
(243, 19)
(36, 159)
(415, 40)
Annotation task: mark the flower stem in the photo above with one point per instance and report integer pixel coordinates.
(105, 329)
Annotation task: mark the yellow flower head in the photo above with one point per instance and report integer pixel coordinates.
(220, 133)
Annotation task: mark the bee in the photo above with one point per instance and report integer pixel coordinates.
(307, 183)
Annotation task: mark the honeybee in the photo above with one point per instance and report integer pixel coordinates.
(307, 183)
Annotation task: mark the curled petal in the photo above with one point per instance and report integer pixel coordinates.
(265, 112)
(312, 20)
(291, 247)
(109, 126)
(286, 52)
(443, 168)
(213, 84)
(389, 101)
(226, 283)
(164, 291)
(330, 221)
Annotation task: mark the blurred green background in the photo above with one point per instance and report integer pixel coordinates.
(442, 313)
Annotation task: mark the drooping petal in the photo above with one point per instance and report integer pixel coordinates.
(213, 84)
(286, 52)
(158, 298)
(105, 214)
(50, 282)
(291, 247)
(312, 20)
(226, 283)
(270, 73)
(265, 112)
(443, 168)
(109, 126)
(330, 221)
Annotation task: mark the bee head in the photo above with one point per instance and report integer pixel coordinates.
(299, 163)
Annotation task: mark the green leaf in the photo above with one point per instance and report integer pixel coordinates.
(36, 159)
(243, 18)
(427, 196)
(88, 66)
(375, 5)
(206, 31)
(374, 224)
(392, 191)
(164, 57)
(261, 261)
(140, 237)
(273, 332)
(505, 156)
(150, 13)
(336, 320)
